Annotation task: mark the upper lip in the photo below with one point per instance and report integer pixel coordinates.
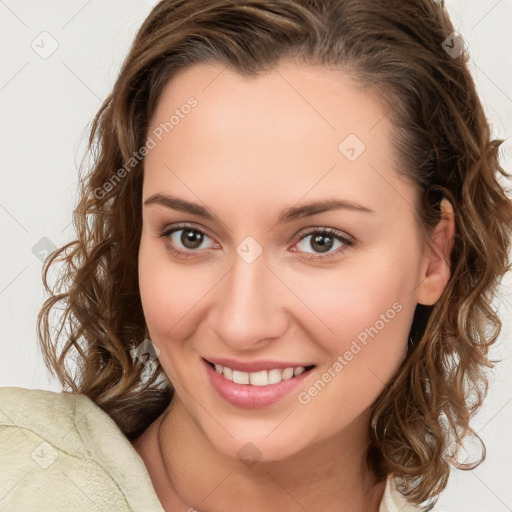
(255, 366)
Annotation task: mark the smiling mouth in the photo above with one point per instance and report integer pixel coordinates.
(261, 378)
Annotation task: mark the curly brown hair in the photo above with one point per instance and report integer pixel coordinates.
(444, 146)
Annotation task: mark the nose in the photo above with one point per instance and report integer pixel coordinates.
(250, 306)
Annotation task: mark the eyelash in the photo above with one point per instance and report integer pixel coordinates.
(347, 242)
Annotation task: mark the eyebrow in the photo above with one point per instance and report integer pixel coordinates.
(287, 215)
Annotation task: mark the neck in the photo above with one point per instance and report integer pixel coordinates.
(189, 473)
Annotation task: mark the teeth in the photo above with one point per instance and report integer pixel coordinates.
(287, 374)
(274, 376)
(258, 378)
(262, 378)
(298, 370)
(240, 377)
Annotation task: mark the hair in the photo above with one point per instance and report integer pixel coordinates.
(444, 148)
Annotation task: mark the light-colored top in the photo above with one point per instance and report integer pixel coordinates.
(61, 452)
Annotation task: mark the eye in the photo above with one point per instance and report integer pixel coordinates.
(186, 239)
(322, 241)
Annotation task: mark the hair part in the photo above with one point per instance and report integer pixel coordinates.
(443, 147)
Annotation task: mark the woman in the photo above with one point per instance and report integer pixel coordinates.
(279, 297)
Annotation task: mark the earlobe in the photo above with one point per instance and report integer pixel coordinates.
(436, 268)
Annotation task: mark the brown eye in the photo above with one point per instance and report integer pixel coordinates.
(187, 240)
(323, 241)
(191, 238)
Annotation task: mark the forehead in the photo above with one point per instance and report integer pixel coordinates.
(296, 131)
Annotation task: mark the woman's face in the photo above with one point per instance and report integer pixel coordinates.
(262, 166)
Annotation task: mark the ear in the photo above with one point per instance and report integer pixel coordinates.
(435, 271)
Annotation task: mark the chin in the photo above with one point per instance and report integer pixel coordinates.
(250, 442)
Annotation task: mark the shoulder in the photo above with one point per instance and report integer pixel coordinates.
(394, 501)
(60, 451)
(45, 411)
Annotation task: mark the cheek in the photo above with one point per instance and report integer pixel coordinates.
(368, 310)
(175, 296)
(361, 362)
(167, 291)
(359, 301)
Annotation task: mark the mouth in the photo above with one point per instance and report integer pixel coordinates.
(260, 378)
(255, 389)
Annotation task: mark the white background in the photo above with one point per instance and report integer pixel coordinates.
(46, 108)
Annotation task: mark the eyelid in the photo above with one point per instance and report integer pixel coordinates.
(324, 229)
(185, 225)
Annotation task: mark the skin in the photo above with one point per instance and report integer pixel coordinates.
(251, 148)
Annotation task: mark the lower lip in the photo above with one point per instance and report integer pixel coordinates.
(252, 397)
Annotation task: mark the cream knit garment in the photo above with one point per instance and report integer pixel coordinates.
(61, 452)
